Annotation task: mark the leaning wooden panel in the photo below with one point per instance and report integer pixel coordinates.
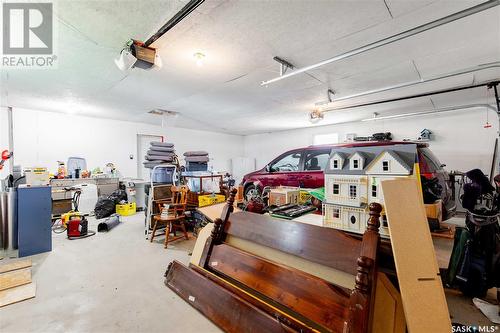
(15, 278)
(325, 246)
(226, 310)
(389, 315)
(307, 295)
(13, 265)
(273, 311)
(17, 294)
(423, 296)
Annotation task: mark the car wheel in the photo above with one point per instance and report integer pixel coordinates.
(251, 191)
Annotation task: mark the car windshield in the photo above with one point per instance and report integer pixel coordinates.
(286, 163)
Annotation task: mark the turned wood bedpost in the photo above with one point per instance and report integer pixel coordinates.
(218, 234)
(360, 309)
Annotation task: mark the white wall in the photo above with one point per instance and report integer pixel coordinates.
(43, 138)
(460, 141)
(4, 139)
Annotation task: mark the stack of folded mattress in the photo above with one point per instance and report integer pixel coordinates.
(159, 153)
(196, 160)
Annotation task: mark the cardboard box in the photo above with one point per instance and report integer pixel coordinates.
(283, 195)
(240, 194)
(304, 196)
(434, 211)
(37, 176)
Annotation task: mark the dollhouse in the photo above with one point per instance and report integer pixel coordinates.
(352, 182)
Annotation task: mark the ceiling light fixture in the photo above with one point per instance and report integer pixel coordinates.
(126, 60)
(316, 116)
(198, 56)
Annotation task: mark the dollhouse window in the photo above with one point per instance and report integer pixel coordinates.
(374, 191)
(353, 191)
(385, 166)
(353, 219)
(336, 189)
(336, 213)
(355, 164)
(335, 164)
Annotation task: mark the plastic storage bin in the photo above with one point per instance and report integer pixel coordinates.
(126, 209)
(163, 175)
(209, 199)
(196, 166)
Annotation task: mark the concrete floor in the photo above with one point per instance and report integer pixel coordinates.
(111, 282)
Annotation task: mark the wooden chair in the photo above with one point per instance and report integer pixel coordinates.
(172, 214)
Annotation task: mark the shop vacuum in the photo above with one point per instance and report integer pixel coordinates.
(77, 227)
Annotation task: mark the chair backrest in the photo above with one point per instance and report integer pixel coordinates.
(179, 194)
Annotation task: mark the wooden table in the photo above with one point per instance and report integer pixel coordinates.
(214, 211)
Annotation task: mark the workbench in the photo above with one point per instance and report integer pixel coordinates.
(62, 199)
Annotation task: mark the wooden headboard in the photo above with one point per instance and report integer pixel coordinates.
(294, 299)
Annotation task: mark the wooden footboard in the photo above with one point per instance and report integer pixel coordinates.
(259, 289)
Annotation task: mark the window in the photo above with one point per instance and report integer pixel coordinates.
(287, 163)
(316, 160)
(336, 188)
(355, 164)
(324, 139)
(374, 191)
(385, 165)
(353, 219)
(335, 164)
(384, 221)
(336, 213)
(353, 191)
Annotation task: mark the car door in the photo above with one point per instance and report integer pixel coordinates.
(286, 169)
(315, 161)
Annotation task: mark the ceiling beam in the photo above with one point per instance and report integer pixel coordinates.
(392, 39)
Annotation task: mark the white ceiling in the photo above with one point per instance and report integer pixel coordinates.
(240, 39)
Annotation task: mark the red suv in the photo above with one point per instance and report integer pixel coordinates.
(304, 168)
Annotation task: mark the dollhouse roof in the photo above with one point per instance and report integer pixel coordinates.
(405, 164)
(404, 154)
(339, 154)
(359, 153)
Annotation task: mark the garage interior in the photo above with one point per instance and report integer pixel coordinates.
(250, 166)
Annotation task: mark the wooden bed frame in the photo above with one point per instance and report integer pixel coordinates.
(242, 292)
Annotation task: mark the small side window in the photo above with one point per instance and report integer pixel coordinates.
(385, 166)
(374, 191)
(336, 188)
(336, 213)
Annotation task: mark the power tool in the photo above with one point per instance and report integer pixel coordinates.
(77, 227)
